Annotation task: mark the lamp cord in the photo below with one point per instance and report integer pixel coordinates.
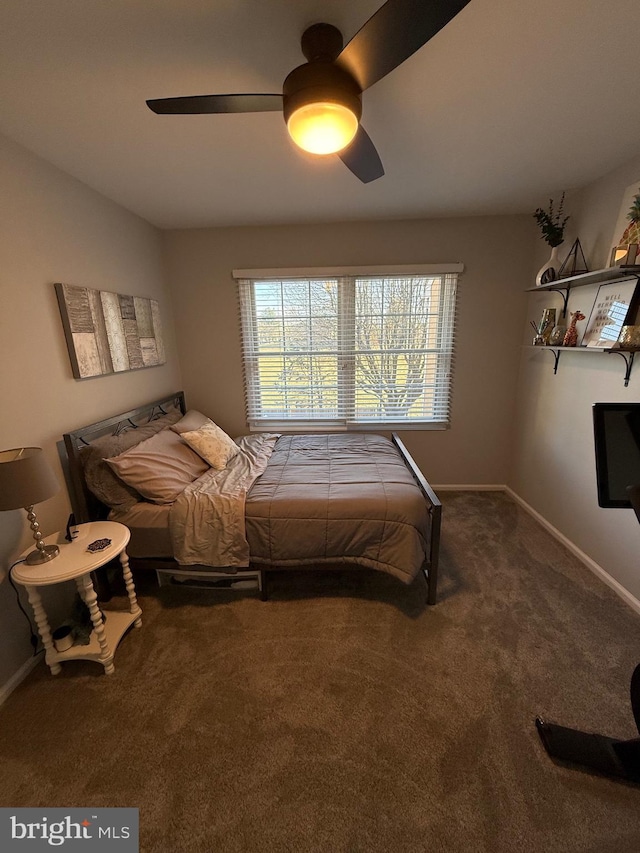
(34, 639)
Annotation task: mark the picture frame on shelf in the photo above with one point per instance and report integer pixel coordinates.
(625, 256)
(625, 235)
(611, 311)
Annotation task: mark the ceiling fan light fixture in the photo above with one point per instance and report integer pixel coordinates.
(322, 106)
(322, 127)
(321, 100)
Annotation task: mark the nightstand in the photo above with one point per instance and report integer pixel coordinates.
(75, 562)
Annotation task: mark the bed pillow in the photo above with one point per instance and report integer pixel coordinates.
(212, 443)
(191, 421)
(159, 468)
(101, 479)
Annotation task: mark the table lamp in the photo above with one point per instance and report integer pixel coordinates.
(26, 478)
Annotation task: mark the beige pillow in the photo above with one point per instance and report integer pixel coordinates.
(212, 443)
(192, 420)
(159, 468)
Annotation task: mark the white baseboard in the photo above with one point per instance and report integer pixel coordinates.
(8, 687)
(617, 587)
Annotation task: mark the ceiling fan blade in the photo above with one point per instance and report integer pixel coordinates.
(392, 34)
(362, 158)
(197, 104)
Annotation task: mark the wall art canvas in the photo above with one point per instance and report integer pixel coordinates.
(109, 332)
(627, 232)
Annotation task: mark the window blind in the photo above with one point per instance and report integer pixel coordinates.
(348, 350)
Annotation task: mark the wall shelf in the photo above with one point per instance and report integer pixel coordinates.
(627, 355)
(565, 285)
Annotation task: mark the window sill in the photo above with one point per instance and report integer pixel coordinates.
(379, 426)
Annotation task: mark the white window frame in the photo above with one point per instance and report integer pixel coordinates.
(246, 278)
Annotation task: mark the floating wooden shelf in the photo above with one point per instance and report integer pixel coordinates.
(565, 285)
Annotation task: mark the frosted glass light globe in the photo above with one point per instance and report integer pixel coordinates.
(322, 128)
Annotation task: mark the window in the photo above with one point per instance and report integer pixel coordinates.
(348, 349)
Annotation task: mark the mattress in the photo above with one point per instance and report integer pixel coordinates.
(149, 526)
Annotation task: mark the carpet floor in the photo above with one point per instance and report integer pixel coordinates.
(344, 714)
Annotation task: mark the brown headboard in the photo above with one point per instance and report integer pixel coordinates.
(85, 506)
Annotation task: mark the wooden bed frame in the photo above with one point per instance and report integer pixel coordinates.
(86, 507)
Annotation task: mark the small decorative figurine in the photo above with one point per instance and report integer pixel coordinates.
(574, 263)
(571, 338)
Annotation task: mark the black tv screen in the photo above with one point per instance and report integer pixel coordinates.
(617, 440)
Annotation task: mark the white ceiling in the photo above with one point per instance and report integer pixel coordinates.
(514, 99)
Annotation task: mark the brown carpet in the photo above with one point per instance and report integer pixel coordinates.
(346, 715)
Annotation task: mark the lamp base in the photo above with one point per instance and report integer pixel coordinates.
(37, 556)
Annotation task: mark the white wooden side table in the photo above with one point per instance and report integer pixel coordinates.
(75, 562)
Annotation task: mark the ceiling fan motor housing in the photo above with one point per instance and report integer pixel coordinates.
(317, 82)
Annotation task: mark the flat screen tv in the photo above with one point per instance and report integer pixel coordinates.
(617, 440)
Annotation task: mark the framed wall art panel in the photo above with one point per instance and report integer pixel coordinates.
(626, 237)
(109, 332)
(609, 314)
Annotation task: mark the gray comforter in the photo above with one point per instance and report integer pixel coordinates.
(327, 499)
(305, 500)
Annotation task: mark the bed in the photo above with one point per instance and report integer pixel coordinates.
(269, 502)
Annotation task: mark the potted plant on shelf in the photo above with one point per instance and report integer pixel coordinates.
(552, 225)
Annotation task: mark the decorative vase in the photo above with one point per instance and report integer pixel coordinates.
(629, 336)
(557, 335)
(549, 272)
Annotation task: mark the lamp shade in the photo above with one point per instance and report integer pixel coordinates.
(26, 478)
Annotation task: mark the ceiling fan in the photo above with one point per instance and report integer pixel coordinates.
(322, 99)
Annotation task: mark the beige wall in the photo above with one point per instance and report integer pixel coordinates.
(497, 253)
(554, 461)
(513, 421)
(56, 229)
